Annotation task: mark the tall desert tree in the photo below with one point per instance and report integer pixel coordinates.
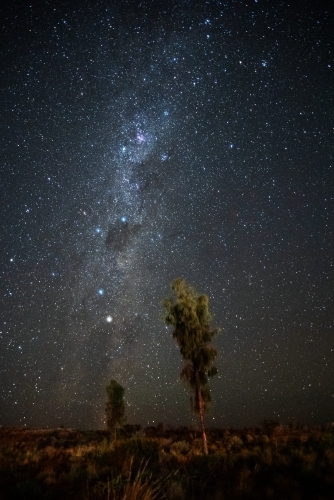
(115, 407)
(188, 313)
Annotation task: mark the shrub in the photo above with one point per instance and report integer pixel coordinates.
(179, 447)
(236, 442)
(136, 450)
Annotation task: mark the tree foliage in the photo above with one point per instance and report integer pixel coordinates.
(115, 407)
(188, 314)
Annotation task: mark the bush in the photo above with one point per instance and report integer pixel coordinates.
(179, 447)
(138, 450)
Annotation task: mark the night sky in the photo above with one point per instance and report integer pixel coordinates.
(144, 141)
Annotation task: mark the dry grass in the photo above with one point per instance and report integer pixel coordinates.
(138, 486)
(265, 463)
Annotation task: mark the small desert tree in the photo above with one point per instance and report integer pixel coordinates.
(115, 406)
(188, 313)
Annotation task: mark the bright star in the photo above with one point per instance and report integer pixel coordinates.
(140, 138)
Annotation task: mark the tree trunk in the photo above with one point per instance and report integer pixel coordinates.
(201, 417)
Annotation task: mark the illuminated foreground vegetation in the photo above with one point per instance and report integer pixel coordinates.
(265, 463)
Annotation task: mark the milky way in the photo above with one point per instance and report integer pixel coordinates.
(141, 142)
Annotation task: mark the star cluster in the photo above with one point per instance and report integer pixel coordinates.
(142, 141)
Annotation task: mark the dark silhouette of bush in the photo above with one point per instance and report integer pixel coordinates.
(138, 450)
